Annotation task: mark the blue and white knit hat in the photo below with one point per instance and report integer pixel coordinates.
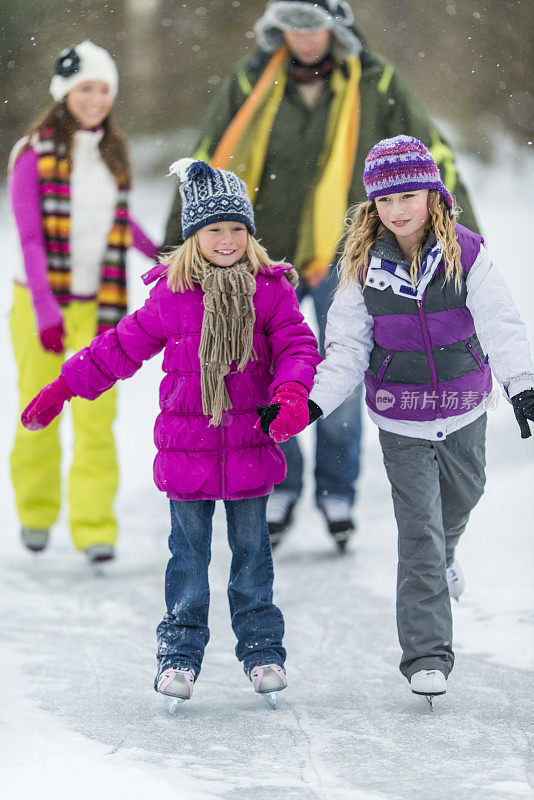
(211, 195)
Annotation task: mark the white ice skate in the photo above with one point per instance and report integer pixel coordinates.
(99, 555)
(177, 685)
(35, 539)
(455, 580)
(268, 679)
(429, 683)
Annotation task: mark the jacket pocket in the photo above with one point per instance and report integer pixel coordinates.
(173, 396)
(471, 350)
(383, 367)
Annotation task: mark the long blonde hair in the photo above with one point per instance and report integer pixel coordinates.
(364, 228)
(188, 258)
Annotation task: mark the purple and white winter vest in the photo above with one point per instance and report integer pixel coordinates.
(427, 362)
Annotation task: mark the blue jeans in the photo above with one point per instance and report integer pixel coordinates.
(337, 451)
(257, 623)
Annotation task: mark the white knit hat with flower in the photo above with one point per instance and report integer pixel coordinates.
(83, 62)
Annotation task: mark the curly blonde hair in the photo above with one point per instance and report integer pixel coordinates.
(364, 228)
(188, 258)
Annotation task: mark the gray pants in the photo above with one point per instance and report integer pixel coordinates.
(434, 486)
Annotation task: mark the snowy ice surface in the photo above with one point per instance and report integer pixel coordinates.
(79, 716)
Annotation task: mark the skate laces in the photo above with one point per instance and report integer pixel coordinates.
(275, 667)
(169, 674)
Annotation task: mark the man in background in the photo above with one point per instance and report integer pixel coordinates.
(296, 121)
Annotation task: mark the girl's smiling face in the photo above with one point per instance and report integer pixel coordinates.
(223, 243)
(406, 215)
(90, 103)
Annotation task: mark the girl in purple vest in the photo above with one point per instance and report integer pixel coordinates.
(69, 182)
(420, 316)
(228, 320)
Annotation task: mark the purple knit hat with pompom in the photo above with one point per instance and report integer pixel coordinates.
(402, 164)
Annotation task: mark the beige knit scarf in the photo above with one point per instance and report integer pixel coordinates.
(227, 328)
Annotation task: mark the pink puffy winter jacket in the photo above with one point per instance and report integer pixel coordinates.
(194, 460)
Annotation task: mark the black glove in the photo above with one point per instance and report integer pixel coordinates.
(523, 404)
(315, 411)
(268, 414)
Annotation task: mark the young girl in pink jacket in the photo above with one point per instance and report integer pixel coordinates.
(234, 339)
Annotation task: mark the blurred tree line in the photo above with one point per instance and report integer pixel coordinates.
(470, 61)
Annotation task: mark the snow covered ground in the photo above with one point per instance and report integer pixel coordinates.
(79, 715)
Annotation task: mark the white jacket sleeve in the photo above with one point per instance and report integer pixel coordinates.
(348, 344)
(500, 329)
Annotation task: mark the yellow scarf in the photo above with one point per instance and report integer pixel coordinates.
(243, 149)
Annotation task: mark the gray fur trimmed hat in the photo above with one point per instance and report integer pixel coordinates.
(308, 15)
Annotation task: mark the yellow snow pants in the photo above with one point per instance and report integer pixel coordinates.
(36, 455)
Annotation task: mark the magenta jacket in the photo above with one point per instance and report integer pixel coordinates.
(195, 460)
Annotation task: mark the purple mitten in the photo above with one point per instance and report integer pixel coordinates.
(46, 405)
(52, 338)
(293, 415)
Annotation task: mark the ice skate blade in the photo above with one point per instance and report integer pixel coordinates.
(271, 698)
(97, 569)
(173, 703)
(429, 697)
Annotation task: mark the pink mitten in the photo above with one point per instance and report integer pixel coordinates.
(52, 338)
(46, 405)
(293, 415)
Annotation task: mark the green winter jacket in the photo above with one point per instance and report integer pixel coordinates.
(388, 108)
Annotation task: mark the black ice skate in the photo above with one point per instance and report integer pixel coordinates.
(279, 514)
(337, 512)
